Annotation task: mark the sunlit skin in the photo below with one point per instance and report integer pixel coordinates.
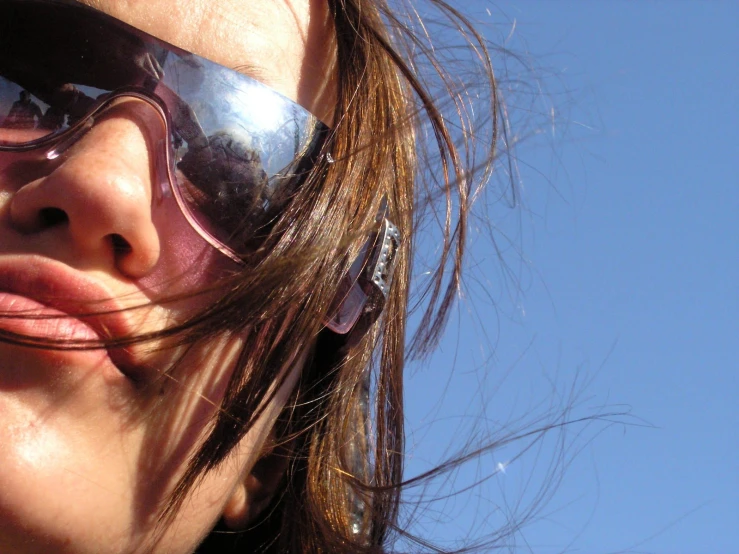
(87, 454)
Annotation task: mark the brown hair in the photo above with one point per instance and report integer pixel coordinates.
(342, 489)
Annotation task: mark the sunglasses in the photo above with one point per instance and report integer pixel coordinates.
(235, 151)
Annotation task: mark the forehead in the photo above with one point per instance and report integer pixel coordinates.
(284, 43)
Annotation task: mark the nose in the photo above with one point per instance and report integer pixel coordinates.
(99, 192)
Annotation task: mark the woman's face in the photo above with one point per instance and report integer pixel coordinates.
(88, 456)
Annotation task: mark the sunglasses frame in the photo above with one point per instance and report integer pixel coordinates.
(368, 281)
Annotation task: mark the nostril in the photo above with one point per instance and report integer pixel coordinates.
(120, 245)
(51, 217)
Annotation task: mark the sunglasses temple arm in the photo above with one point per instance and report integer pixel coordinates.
(367, 294)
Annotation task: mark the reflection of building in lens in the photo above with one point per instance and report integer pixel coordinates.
(66, 101)
(66, 106)
(227, 181)
(24, 114)
(225, 170)
(240, 167)
(53, 119)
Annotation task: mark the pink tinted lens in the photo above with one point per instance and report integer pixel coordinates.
(239, 149)
(349, 309)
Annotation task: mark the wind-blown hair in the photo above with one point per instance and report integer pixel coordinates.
(392, 132)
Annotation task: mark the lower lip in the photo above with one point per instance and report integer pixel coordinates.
(60, 329)
(41, 321)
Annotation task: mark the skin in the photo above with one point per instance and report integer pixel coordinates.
(89, 454)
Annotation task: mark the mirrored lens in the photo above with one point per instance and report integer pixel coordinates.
(238, 150)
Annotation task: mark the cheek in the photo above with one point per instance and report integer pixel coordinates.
(179, 428)
(81, 474)
(186, 262)
(215, 489)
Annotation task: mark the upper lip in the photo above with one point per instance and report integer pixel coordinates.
(63, 288)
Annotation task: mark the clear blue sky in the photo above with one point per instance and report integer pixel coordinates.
(627, 287)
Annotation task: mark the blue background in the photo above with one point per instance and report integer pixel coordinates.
(619, 298)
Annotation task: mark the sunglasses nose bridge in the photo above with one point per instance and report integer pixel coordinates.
(160, 145)
(70, 139)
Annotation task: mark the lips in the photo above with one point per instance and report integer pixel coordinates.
(62, 304)
(29, 318)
